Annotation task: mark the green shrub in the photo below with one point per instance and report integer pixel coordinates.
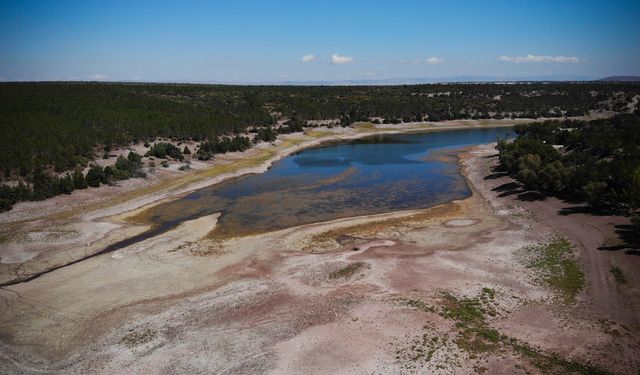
(95, 175)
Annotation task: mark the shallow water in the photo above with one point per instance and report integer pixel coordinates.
(373, 175)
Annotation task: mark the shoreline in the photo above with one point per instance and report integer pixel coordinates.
(117, 221)
(256, 286)
(167, 189)
(120, 216)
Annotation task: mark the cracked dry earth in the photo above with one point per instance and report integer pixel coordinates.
(436, 291)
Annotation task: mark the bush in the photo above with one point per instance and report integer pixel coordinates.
(122, 163)
(43, 185)
(222, 146)
(265, 134)
(163, 149)
(95, 175)
(204, 155)
(108, 175)
(121, 174)
(78, 180)
(5, 204)
(135, 160)
(66, 185)
(10, 195)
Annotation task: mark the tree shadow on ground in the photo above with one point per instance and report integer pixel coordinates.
(584, 209)
(630, 237)
(496, 175)
(515, 188)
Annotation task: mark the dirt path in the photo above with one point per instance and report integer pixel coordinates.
(587, 232)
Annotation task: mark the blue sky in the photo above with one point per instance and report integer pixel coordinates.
(249, 41)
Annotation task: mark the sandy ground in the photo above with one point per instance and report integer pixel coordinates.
(71, 227)
(181, 302)
(359, 295)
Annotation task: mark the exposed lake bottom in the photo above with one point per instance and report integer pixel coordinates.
(373, 175)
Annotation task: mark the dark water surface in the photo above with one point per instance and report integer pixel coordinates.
(368, 176)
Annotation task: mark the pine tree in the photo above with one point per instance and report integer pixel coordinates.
(95, 175)
(79, 181)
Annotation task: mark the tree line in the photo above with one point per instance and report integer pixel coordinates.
(59, 124)
(597, 162)
(43, 185)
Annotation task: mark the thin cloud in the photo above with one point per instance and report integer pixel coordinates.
(338, 60)
(434, 60)
(98, 77)
(431, 60)
(405, 61)
(540, 59)
(308, 58)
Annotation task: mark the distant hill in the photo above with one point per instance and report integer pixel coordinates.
(426, 80)
(621, 79)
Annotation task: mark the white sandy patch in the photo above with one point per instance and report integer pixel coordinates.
(378, 243)
(460, 222)
(81, 235)
(186, 232)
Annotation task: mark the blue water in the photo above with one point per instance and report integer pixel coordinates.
(369, 176)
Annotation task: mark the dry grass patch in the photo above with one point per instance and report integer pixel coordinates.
(348, 271)
(474, 336)
(554, 264)
(618, 275)
(137, 338)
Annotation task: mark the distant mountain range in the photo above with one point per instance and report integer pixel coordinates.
(620, 79)
(456, 79)
(419, 80)
(423, 80)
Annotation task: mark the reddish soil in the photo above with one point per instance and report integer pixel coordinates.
(372, 303)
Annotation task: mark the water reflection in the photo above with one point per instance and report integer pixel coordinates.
(368, 176)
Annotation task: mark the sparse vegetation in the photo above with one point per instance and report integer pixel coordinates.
(418, 304)
(136, 338)
(551, 363)
(618, 275)
(476, 337)
(555, 265)
(474, 334)
(348, 271)
(163, 150)
(43, 185)
(221, 146)
(422, 349)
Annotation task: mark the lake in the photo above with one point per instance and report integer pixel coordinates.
(372, 175)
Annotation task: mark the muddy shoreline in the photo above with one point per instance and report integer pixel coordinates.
(117, 221)
(277, 302)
